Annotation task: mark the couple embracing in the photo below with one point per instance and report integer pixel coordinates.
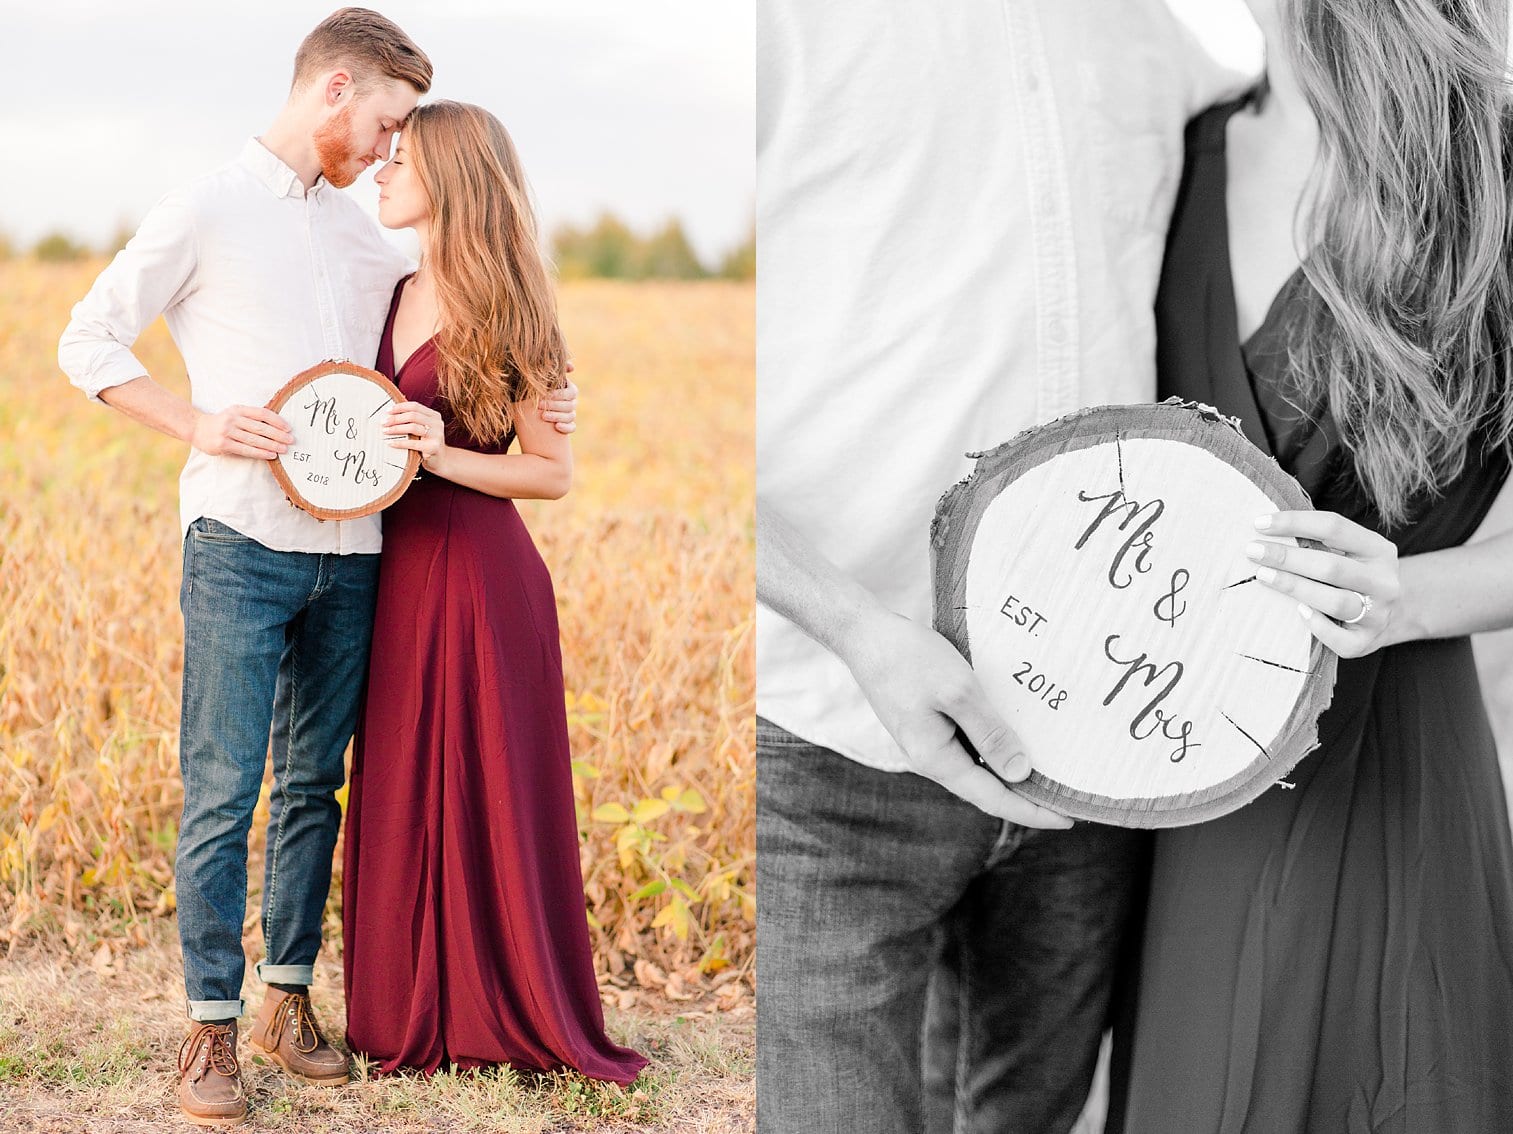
(465, 938)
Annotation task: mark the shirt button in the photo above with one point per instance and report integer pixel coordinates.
(1055, 331)
(1031, 81)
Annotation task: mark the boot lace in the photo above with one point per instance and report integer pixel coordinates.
(306, 1036)
(220, 1056)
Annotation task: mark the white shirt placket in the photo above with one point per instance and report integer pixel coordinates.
(1054, 254)
(332, 340)
(333, 343)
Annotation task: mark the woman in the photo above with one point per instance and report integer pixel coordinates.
(466, 942)
(1338, 957)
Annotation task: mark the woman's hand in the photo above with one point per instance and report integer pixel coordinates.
(560, 407)
(1348, 590)
(410, 425)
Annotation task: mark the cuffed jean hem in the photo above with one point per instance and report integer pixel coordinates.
(285, 974)
(200, 1010)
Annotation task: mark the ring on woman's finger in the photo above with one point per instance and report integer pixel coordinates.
(1366, 605)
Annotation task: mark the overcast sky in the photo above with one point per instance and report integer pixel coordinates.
(642, 108)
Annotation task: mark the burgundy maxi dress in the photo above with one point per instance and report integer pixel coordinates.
(465, 932)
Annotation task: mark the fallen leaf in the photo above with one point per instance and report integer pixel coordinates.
(649, 976)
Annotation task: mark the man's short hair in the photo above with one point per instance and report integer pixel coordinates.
(371, 46)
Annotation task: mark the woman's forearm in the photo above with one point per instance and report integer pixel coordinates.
(1461, 590)
(519, 476)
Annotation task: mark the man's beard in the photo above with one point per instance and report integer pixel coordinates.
(333, 146)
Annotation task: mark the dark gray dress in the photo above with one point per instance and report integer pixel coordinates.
(1336, 958)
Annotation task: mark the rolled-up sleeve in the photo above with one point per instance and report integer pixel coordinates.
(153, 272)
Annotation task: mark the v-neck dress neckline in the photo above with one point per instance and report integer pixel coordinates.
(429, 341)
(1294, 277)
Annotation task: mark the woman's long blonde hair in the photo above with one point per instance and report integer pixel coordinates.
(1405, 334)
(499, 341)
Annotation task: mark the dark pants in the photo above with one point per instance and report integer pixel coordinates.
(275, 648)
(868, 883)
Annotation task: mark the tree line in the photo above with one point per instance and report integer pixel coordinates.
(607, 249)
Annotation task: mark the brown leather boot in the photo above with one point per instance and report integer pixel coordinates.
(210, 1080)
(287, 1031)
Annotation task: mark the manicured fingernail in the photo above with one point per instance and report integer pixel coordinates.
(1266, 575)
(1305, 612)
(1263, 522)
(1255, 551)
(1018, 767)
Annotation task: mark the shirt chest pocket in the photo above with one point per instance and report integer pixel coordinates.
(1134, 114)
(1136, 158)
(364, 305)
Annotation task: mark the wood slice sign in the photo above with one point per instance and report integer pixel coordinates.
(340, 465)
(1093, 572)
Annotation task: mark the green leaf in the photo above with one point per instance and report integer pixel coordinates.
(650, 809)
(610, 813)
(675, 916)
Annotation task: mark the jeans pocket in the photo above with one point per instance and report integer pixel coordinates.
(186, 580)
(770, 735)
(216, 532)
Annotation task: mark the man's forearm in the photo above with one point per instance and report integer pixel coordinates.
(799, 583)
(143, 400)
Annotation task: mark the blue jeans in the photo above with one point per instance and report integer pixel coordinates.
(878, 891)
(275, 645)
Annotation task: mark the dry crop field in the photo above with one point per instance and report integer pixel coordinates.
(652, 554)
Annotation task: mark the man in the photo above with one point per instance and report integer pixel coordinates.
(962, 212)
(262, 269)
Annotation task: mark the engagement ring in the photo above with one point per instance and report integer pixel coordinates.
(1366, 604)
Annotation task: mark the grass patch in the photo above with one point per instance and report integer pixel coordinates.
(88, 1048)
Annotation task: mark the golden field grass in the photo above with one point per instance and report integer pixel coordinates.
(652, 554)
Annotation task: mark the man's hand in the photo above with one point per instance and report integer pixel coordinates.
(241, 431)
(561, 406)
(924, 691)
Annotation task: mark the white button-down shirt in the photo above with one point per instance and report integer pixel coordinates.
(257, 279)
(961, 212)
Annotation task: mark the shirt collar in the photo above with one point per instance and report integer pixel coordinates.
(273, 173)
